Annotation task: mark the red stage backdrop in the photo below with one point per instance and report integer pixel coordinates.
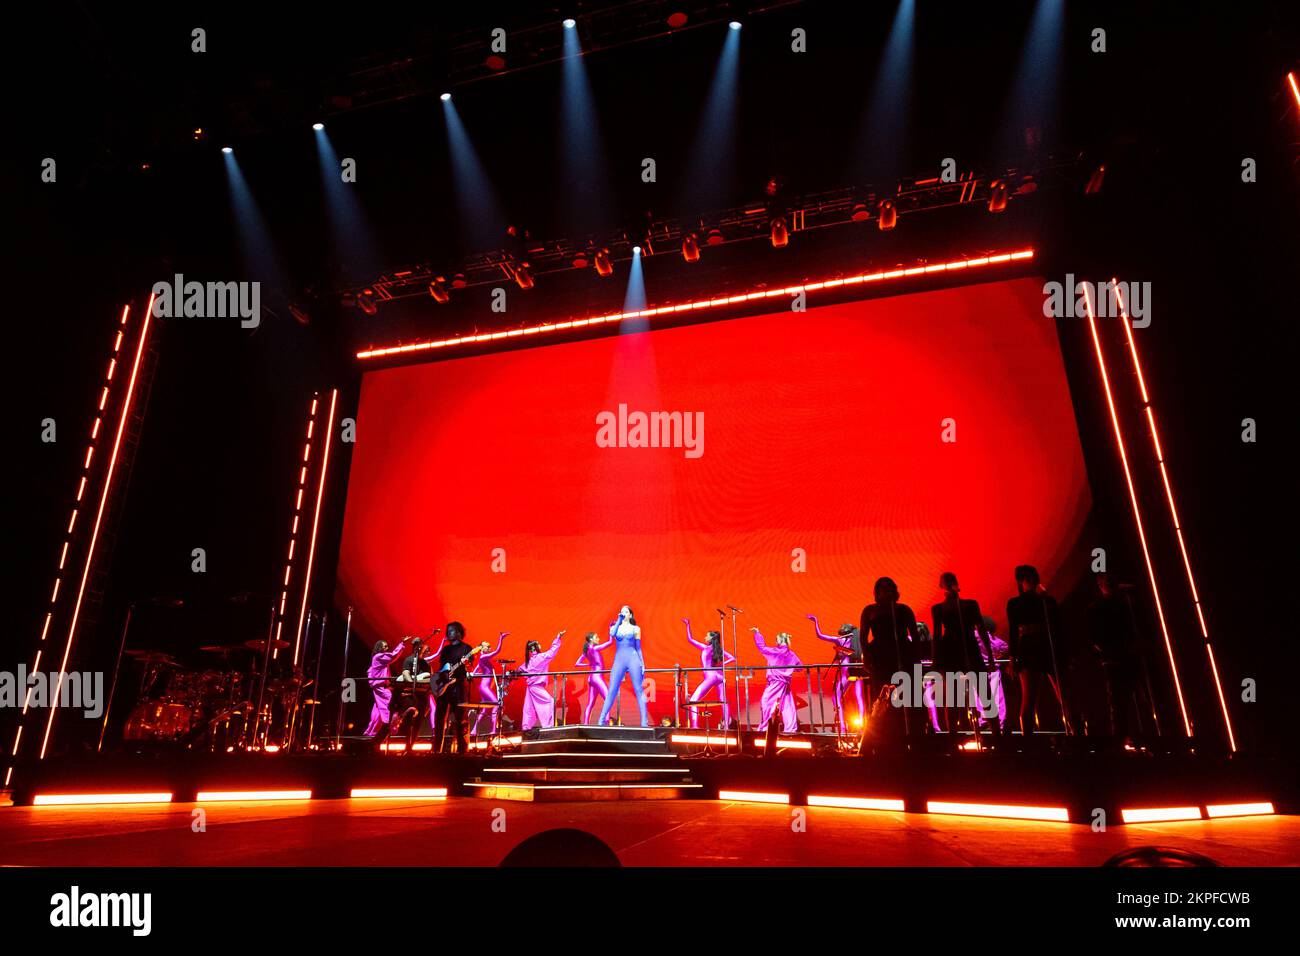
(479, 490)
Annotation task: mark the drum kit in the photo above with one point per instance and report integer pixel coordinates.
(245, 700)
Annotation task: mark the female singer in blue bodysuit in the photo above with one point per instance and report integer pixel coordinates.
(712, 658)
(627, 662)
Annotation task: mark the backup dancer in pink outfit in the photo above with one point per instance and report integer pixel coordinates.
(539, 705)
(781, 664)
(487, 691)
(843, 651)
(590, 657)
(378, 675)
(712, 657)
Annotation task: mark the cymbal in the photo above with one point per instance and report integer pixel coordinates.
(224, 649)
(259, 644)
(154, 657)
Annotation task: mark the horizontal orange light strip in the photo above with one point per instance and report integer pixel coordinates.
(482, 744)
(1240, 810)
(399, 792)
(699, 304)
(855, 803)
(241, 796)
(1160, 814)
(97, 799)
(746, 797)
(701, 739)
(398, 748)
(760, 742)
(1055, 814)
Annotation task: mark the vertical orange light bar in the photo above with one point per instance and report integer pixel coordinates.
(63, 553)
(1137, 511)
(297, 515)
(1173, 512)
(99, 515)
(315, 522)
(1295, 90)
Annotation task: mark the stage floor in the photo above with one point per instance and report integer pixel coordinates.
(458, 832)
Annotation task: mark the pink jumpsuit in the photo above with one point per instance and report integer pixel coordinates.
(781, 663)
(378, 675)
(712, 678)
(539, 705)
(590, 657)
(487, 691)
(843, 650)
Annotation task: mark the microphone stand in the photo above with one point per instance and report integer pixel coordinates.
(735, 650)
(338, 724)
(726, 739)
(1060, 687)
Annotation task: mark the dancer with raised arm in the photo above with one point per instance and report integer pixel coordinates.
(843, 643)
(781, 664)
(591, 657)
(539, 705)
(712, 659)
(485, 671)
(628, 662)
(379, 675)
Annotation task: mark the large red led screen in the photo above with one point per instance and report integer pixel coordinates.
(900, 436)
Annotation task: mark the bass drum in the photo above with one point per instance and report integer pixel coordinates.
(157, 720)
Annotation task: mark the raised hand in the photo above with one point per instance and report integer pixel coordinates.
(686, 621)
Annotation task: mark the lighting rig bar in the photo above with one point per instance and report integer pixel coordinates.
(746, 223)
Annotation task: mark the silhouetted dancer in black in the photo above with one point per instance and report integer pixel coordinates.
(1114, 637)
(1033, 630)
(888, 632)
(961, 644)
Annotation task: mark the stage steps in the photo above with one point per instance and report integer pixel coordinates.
(583, 762)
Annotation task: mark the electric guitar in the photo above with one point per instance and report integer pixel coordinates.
(451, 674)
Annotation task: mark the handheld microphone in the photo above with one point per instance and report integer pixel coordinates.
(736, 609)
(721, 612)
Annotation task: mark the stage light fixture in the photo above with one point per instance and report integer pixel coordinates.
(438, 289)
(366, 302)
(691, 248)
(860, 212)
(1095, 181)
(734, 24)
(780, 233)
(458, 281)
(636, 250)
(676, 20)
(888, 216)
(997, 196)
(604, 265)
(715, 237)
(495, 63)
(226, 149)
(318, 126)
(570, 23)
(522, 275)
(445, 97)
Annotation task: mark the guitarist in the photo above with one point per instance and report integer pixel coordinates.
(452, 668)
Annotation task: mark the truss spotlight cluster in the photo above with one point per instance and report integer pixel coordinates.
(780, 233)
(998, 196)
(690, 248)
(888, 217)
